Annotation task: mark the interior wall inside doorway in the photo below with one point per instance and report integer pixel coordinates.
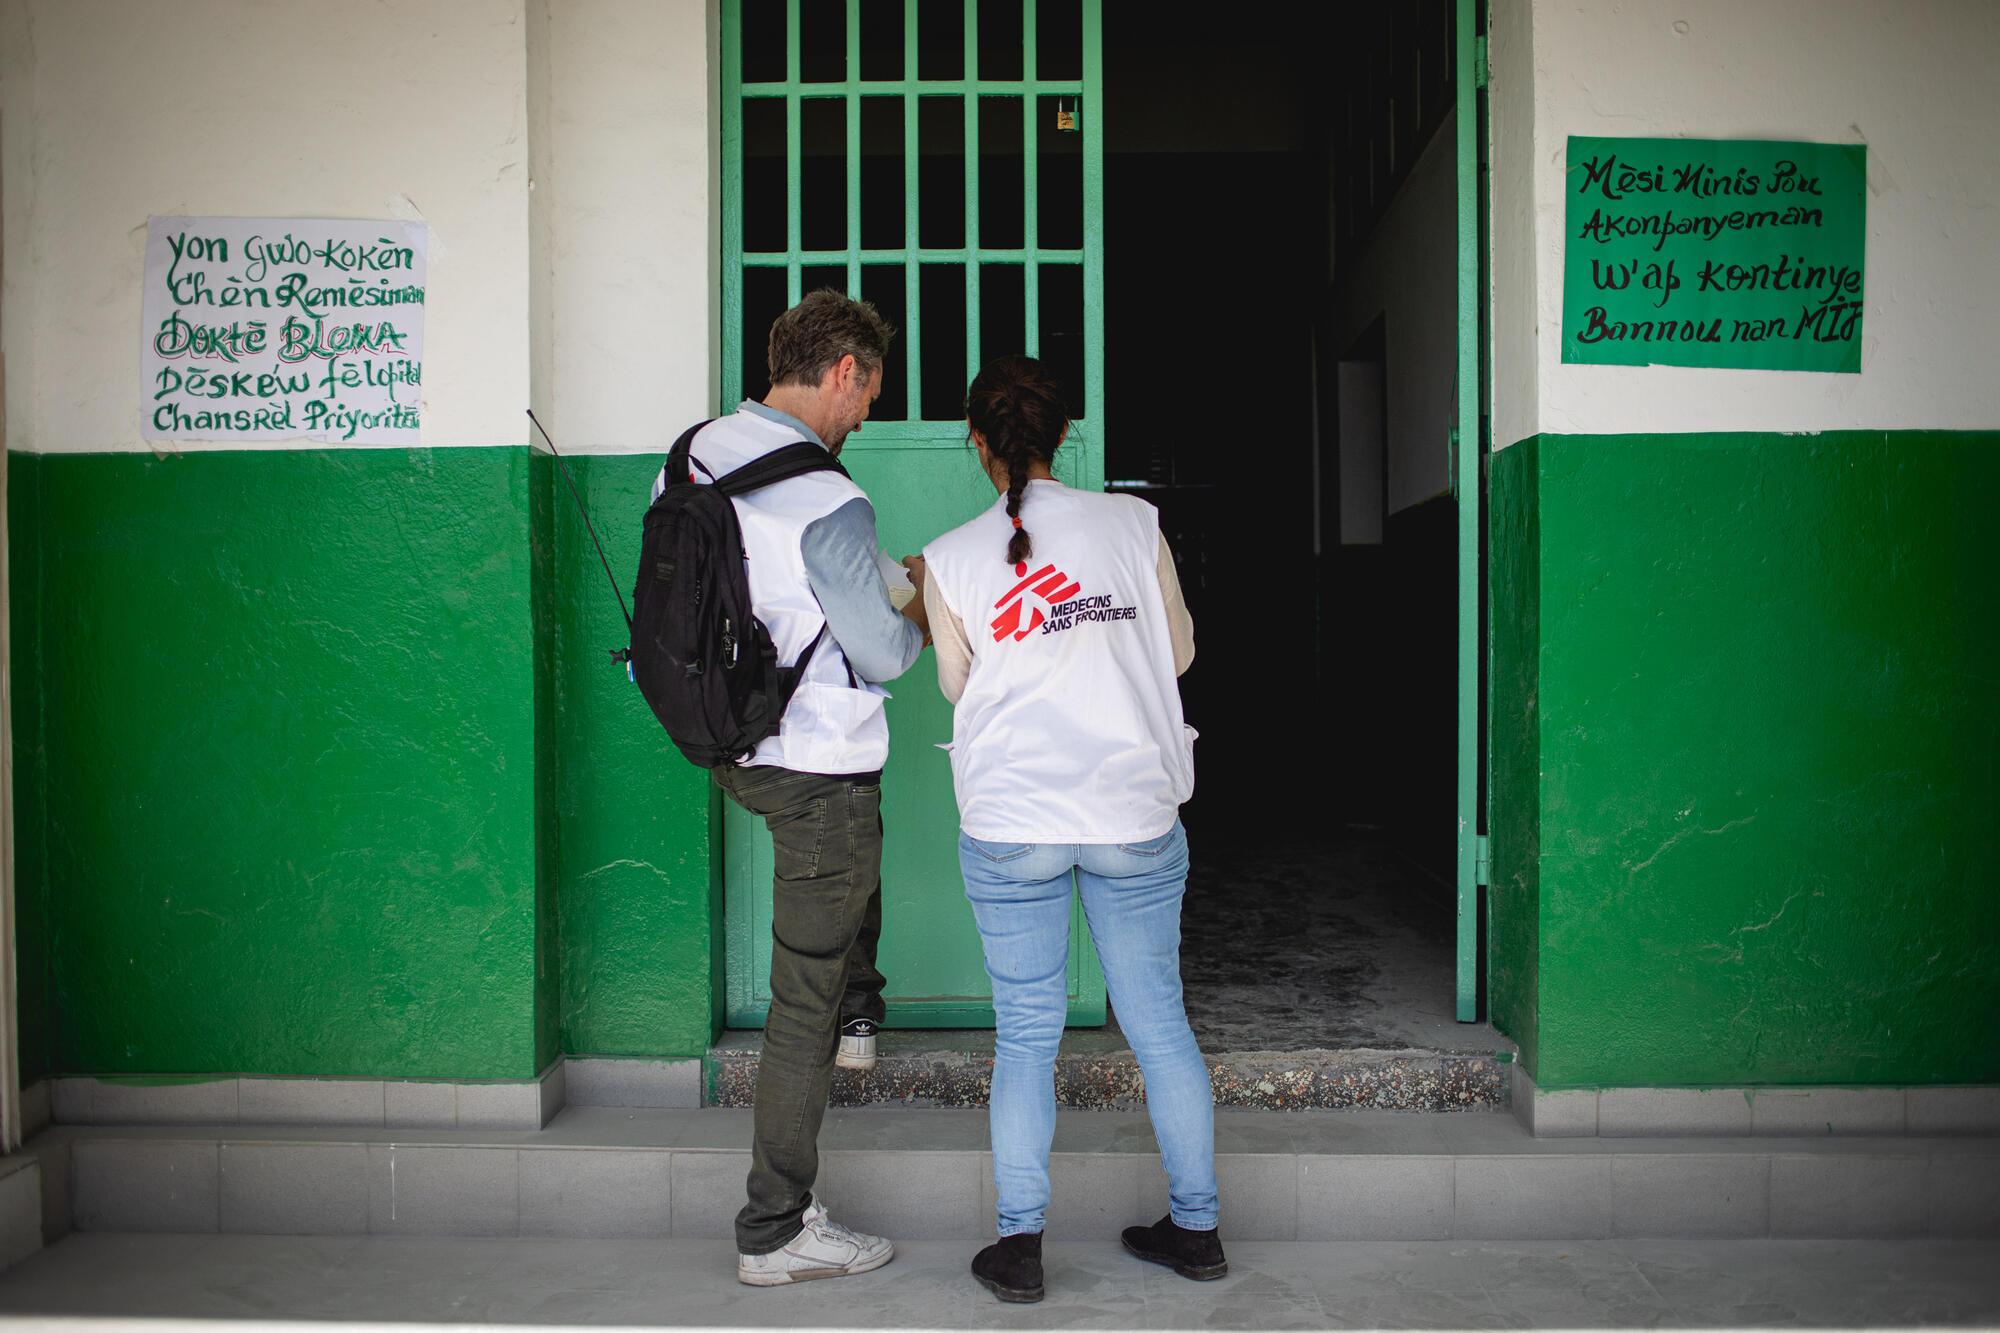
(1391, 590)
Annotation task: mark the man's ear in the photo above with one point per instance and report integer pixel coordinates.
(842, 374)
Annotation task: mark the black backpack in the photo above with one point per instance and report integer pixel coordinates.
(701, 658)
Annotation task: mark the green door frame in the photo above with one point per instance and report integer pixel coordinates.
(1466, 444)
(1467, 457)
(745, 925)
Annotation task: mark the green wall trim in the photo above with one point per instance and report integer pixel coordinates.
(1756, 849)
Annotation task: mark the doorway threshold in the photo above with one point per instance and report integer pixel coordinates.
(1096, 1070)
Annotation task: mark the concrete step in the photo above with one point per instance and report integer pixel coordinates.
(600, 1172)
(1096, 1071)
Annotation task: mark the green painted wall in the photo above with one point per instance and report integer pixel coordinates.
(544, 588)
(1762, 698)
(322, 769)
(641, 968)
(31, 887)
(1514, 895)
(288, 709)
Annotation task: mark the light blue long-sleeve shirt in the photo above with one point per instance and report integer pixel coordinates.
(879, 641)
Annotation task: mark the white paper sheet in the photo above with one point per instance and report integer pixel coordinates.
(901, 591)
(283, 328)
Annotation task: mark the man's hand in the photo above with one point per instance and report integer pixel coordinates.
(915, 609)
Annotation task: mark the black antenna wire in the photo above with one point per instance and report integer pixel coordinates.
(588, 525)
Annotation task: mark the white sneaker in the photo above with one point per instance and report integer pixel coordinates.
(857, 1044)
(823, 1249)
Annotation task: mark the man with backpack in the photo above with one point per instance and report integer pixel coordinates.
(808, 542)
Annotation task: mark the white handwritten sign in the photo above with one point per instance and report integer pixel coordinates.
(283, 328)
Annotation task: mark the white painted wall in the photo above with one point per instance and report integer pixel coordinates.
(1407, 273)
(1911, 78)
(1514, 339)
(1363, 452)
(626, 220)
(111, 111)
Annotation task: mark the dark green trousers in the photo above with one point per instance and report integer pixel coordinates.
(826, 919)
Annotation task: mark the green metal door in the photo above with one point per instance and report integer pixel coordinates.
(943, 160)
(1468, 451)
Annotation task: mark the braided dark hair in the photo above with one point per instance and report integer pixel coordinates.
(1017, 408)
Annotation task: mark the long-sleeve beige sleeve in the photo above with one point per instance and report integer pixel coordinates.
(954, 649)
(1180, 625)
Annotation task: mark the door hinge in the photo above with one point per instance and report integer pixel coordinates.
(1482, 868)
(1479, 73)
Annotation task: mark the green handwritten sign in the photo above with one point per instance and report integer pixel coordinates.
(1743, 253)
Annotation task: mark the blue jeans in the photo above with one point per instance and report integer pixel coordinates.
(1132, 894)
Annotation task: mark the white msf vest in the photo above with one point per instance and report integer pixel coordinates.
(1070, 727)
(831, 725)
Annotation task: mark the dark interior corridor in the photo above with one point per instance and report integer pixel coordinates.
(1248, 181)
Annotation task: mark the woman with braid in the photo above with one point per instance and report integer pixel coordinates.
(1060, 631)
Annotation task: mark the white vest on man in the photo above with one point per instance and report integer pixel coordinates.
(1069, 730)
(834, 723)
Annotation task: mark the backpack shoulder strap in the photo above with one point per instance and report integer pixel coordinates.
(793, 460)
(683, 450)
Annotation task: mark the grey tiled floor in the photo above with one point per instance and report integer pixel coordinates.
(251, 1281)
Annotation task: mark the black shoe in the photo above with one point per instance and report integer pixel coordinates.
(1012, 1268)
(1192, 1254)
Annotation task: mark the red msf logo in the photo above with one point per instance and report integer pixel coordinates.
(1027, 603)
